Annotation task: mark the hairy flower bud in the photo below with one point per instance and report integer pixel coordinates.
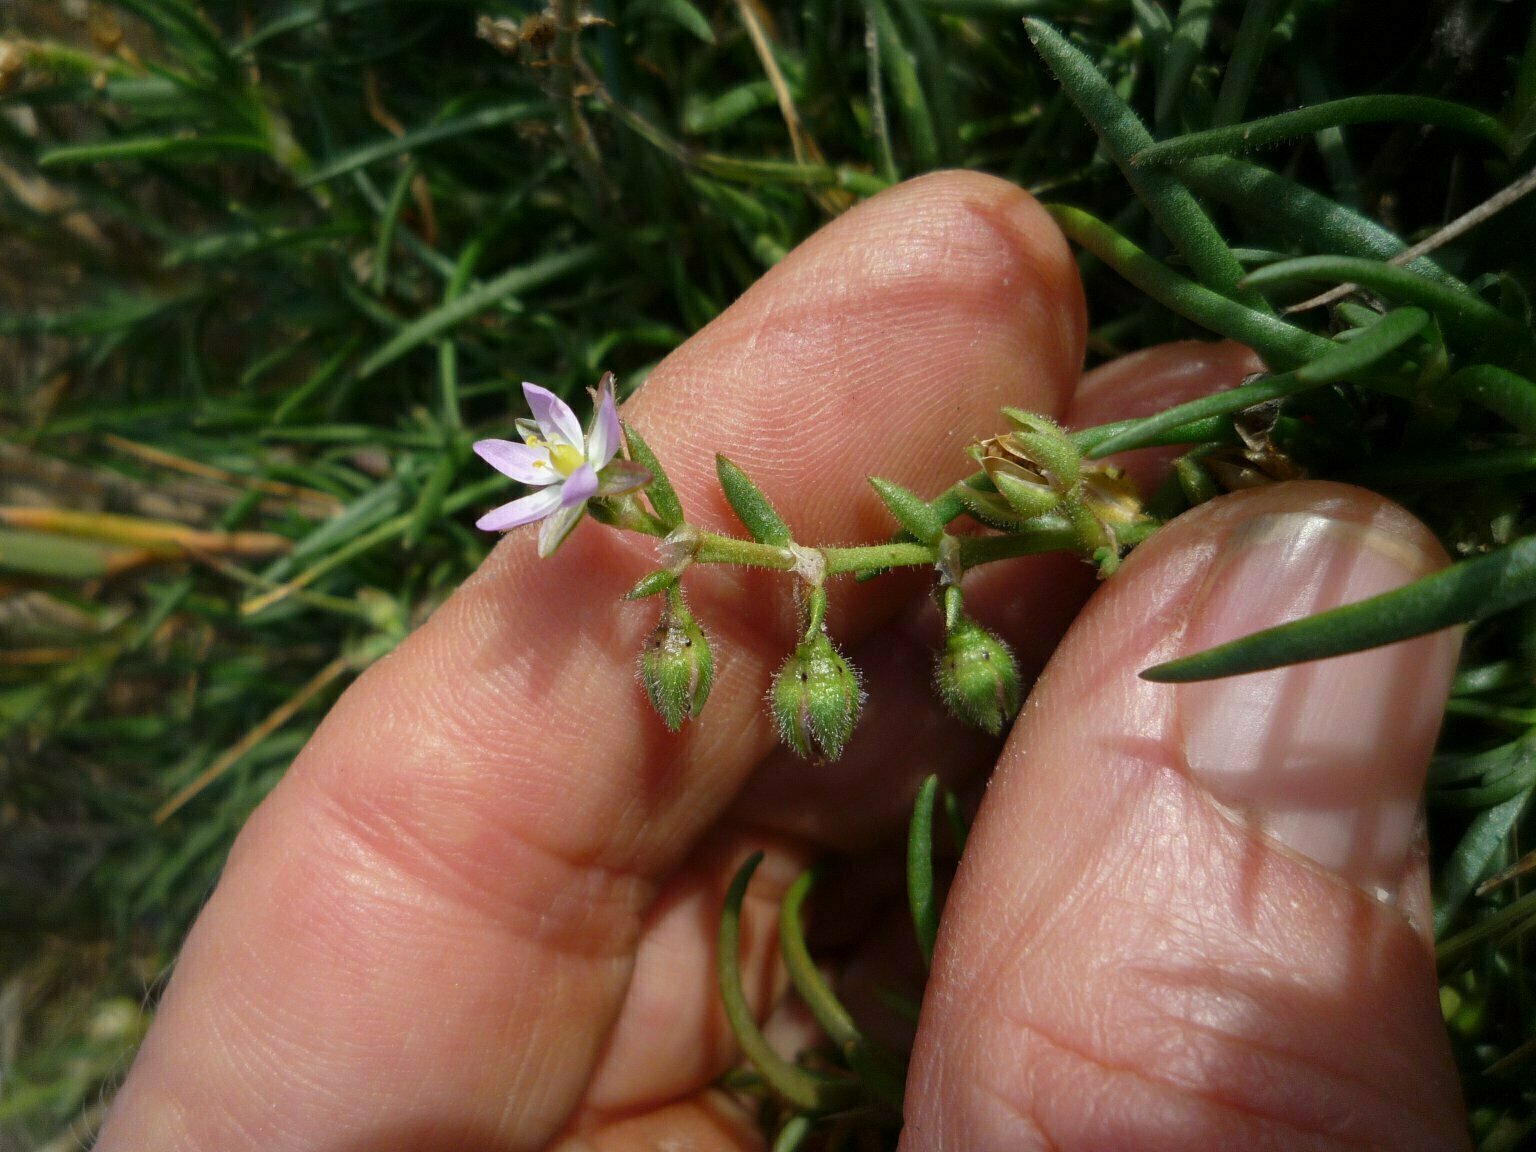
(816, 699)
(676, 665)
(977, 677)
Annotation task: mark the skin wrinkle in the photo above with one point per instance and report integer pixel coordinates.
(1148, 1078)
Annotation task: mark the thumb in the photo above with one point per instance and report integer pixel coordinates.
(1194, 916)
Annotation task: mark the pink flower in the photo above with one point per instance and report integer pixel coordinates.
(567, 467)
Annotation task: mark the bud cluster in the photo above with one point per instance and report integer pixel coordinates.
(1036, 470)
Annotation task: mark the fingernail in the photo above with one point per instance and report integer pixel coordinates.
(1328, 758)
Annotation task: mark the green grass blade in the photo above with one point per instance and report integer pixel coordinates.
(480, 121)
(799, 1087)
(1281, 344)
(1210, 430)
(1467, 592)
(879, 1073)
(1143, 433)
(1368, 350)
(1332, 114)
(906, 87)
(921, 897)
(1123, 135)
(1299, 213)
(683, 14)
(1464, 317)
(1505, 925)
(1474, 857)
(210, 149)
(1242, 68)
(1180, 57)
(514, 280)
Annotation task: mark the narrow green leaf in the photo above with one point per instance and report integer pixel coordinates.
(209, 149)
(485, 118)
(1143, 433)
(796, 1130)
(429, 505)
(1501, 392)
(54, 556)
(907, 87)
(1298, 213)
(1492, 764)
(911, 511)
(1520, 779)
(652, 584)
(1180, 57)
(1463, 317)
(1474, 857)
(751, 506)
(1243, 65)
(882, 1075)
(1176, 211)
(798, 1086)
(521, 278)
(661, 494)
(1351, 358)
(1464, 593)
(921, 897)
(1281, 344)
(1212, 429)
(702, 116)
(1331, 114)
(1507, 923)
(682, 13)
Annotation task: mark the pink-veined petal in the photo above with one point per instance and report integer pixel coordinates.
(522, 511)
(621, 476)
(556, 420)
(552, 532)
(580, 486)
(603, 443)
(519, 461)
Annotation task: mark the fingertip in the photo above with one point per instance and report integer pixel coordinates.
(1167, 931)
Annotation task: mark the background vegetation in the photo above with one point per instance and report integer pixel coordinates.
(266, 269)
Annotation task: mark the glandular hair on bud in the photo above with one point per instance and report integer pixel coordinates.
(816, 698)
(978, 678)
(676, 665)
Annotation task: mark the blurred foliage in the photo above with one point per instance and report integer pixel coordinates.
(266, 268)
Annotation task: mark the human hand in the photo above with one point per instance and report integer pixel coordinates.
(478, 912)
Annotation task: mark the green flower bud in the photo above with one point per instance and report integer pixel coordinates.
(978, 678)
(676, 665)
(816, 699)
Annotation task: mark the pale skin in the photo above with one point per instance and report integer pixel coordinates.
(477, 913)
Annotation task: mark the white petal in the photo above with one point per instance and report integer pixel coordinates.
(603, 444)
(554, 530)
(523, 511)
(556, 420)
(519, 461)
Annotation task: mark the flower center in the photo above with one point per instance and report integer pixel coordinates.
(565, 458)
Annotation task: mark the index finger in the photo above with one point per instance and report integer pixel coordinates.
(426, 931)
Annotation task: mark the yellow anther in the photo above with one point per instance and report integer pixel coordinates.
(566, 458)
